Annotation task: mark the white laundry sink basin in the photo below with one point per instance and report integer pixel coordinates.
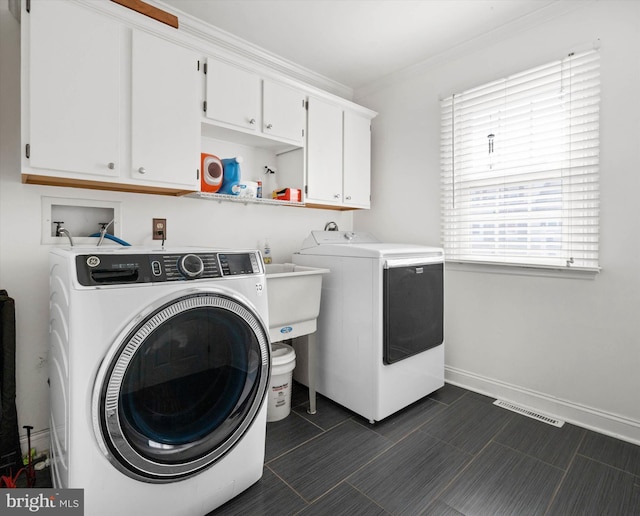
(294, 299)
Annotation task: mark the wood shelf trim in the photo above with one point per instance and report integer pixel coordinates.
(150, 11)
(34, 179)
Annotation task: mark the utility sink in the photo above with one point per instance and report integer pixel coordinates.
(294, 299)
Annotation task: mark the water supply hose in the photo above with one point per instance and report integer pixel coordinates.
(111, 237)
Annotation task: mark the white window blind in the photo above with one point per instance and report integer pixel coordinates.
(520, 165)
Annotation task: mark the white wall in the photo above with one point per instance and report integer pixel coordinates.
(568, 347)
(24, 260)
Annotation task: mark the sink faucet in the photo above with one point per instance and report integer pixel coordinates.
(60, 230)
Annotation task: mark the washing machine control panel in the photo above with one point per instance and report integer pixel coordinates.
(121, 269)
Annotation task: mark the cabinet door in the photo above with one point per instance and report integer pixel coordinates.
(165, 116)
(74, 90)
(324, 153)
(356, 179)
(233, 95)
(283, 111)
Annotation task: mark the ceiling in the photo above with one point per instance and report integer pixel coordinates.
(356, 42)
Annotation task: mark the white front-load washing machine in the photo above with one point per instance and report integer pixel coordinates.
(380, 338)
(160, 367)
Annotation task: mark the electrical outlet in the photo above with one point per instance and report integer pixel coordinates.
(159, 229)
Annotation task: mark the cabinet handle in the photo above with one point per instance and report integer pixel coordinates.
(111, 165)
(336, 196)
(348, 197)
(269, 126)
(252, 121)
(142, 170)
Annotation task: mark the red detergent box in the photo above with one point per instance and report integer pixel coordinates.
(287, 194)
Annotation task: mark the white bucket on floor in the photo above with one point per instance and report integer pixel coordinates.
(283, 361)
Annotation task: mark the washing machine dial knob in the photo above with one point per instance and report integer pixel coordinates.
(190, 266)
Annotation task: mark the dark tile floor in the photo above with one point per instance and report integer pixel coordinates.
(453, 453)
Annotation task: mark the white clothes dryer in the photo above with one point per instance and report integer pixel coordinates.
(160, 365)
(380, 337)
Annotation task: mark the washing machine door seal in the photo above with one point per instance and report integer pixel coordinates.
(182, 386)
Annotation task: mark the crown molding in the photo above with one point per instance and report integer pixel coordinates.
(245, 50)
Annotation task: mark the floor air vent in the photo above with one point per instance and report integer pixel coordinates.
(528, 413)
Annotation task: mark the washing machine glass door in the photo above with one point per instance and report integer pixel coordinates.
(182, 387)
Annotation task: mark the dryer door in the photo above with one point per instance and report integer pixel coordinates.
(413, 308)
(182, 387)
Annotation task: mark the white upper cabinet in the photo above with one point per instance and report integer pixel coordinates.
(356, 160)
(233, 95)
(283, 112)
(165, 116)
(72, 117)
(105, 105)
(112, 99)
(324, 153)
(241, 100)
(338, 156)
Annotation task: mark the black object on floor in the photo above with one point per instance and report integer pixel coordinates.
(10, 453)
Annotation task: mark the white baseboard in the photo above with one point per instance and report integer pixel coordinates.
(580, 415)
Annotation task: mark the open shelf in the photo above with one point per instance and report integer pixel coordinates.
(243, 200)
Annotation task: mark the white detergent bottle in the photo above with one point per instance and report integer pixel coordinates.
(266, 254)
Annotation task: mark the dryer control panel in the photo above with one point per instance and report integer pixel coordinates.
(121, 269)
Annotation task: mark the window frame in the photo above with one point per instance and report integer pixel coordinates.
(560, 93)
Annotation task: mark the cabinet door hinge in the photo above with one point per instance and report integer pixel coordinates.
(204, 106)
(27, 150)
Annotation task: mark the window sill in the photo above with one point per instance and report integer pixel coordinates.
(524, 270)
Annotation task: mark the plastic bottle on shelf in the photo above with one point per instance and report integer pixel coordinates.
(231, 176)
(266, 254)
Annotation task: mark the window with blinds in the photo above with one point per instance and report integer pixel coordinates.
(520, 165)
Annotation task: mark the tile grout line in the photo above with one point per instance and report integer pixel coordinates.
(474, 457)
(346, 481)
(310, 503)
(322, 432)
(267, 464)
(554, 496)
(386, 450)
(537, 459)
(292, 489)
(592, 459)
